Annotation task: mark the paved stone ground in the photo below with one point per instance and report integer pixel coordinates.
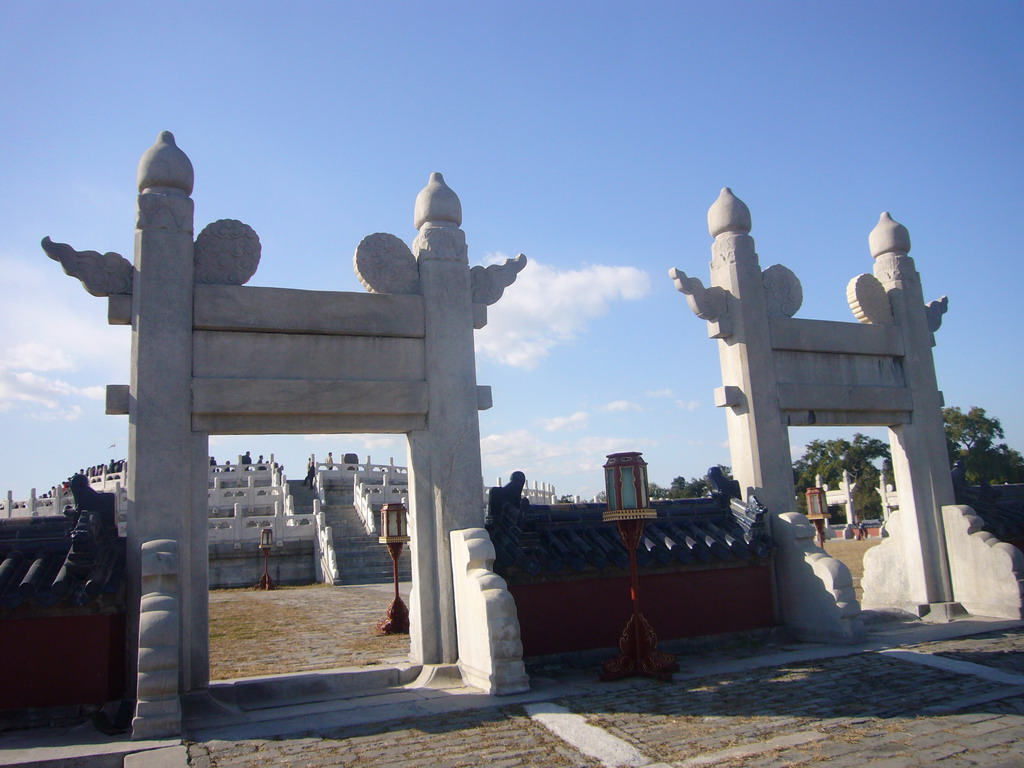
(942, 704)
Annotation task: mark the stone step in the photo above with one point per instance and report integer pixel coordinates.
(362, 559)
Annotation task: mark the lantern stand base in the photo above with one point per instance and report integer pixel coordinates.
(265, 582)
(638, 653)
(397, 621)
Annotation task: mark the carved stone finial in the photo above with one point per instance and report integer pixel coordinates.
(102, 274)
(728, 214)
(165, 167)
(438, 204)
(227, 252)
(888, 236)
(489, 283)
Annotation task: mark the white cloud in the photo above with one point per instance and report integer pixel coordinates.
(36, 356)
(659, 393)
(50, 324)
(28, 388)
(688, 405)
(546, 307)
(547, 461)
(578, 420)
(620, 405)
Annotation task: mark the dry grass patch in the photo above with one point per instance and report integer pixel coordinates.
(298, 629)
(850, 553)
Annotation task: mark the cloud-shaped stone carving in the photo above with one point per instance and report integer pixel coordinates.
(489, 283)
(102, 274)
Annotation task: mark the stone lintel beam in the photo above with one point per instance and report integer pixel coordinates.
(728, 396)
(483, 397)
(117, 399)
(837, 337)
(813, 397)
(289, 310)
(119, 309)
(297, 397)
(306, 424)
(839, 418)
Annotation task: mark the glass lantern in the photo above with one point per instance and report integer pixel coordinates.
(817, 509)
(625, 477)
(394, 526)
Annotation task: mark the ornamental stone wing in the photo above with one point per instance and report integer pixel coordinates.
(384, 264)
(227, 252)
(934, 311)
(706, 303)
(101, 274)
(489, 283)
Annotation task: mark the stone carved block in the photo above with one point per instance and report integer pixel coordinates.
(489, 283)
(819, 603)
(158, 707)
(934, 311)
(868, 300)
(227, 252)
(102, 274)
(711, 304)
(490, 649)
(384, 264)
(783, 293)
(896, 267)
(441, 244)
(158, 210)
(987, 574)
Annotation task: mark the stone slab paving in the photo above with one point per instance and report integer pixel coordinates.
(844, 709)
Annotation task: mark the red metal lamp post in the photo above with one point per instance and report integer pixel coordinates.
(817, 512)
(628, 506)
(266, 543)
(395, 533)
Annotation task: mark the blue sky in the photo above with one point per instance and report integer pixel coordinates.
(590, 136)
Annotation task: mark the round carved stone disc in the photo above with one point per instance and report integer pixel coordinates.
(227, 252)
(868, 300)
(384, 264)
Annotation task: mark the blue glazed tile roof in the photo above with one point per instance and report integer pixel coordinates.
(1000, 507)
(58, 562)
(540, 542)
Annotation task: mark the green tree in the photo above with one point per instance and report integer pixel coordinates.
(566, 498)
(655, 491)
(861, 458)
(695, 487)
(971, 437)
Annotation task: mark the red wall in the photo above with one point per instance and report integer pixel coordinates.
(560, 616)
(61, 660)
